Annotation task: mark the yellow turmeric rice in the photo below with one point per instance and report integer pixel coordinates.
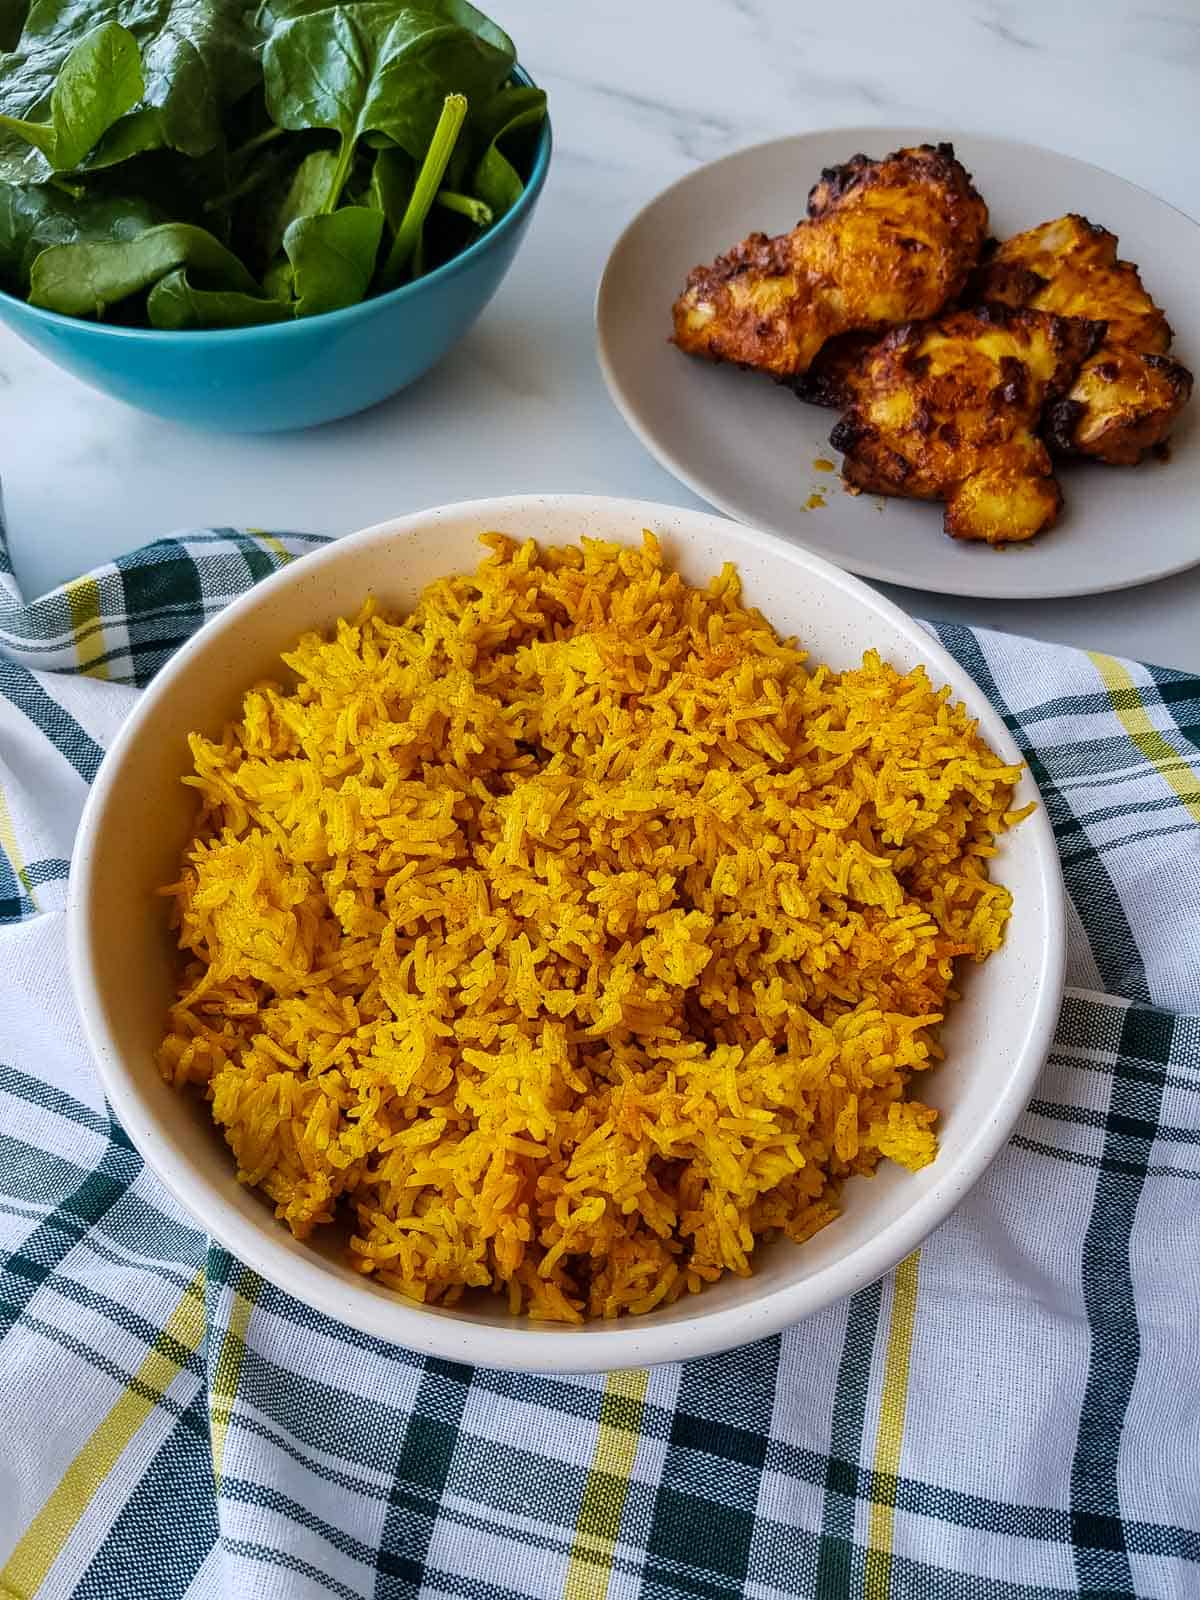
(572, 933)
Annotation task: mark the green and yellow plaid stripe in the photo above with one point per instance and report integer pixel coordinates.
(599, 1524)
(43, 1540)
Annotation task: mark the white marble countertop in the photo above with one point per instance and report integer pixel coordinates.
(639, 94)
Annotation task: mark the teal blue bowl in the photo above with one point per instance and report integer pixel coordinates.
(290, 374)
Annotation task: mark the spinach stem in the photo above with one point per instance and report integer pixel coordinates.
(467, 206)
(256, 143)
(251, 181)
(38, 134)
(441, 146)
(341, 172)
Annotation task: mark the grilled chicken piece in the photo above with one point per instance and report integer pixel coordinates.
(1130, 391)
(830, 379)
(949, 410)
(1121, 406)
(884, 242)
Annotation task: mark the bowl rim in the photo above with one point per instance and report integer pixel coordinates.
(324, 319)
(524, 1346)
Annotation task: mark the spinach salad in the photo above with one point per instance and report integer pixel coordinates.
(208, 164)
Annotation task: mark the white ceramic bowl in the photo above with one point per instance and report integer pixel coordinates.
(123, 960)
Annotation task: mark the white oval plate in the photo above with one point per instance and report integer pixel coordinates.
(748, 446)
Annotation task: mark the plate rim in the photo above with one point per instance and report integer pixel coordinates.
(875, 571)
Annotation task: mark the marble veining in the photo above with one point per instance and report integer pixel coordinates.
(997, 25)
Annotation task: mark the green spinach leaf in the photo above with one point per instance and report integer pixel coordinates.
(460, 12)
(495, 179)
(198, 57)
(100, 80)
(83, 280)
(333, 258)
(303, 197)
(391, 184)
(279, 281)
(132, 135)
(32, 218)
(175, 303)
(372, 68)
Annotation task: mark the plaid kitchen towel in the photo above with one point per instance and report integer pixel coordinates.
(1014, 1412)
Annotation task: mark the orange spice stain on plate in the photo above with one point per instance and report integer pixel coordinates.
(822, 464)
